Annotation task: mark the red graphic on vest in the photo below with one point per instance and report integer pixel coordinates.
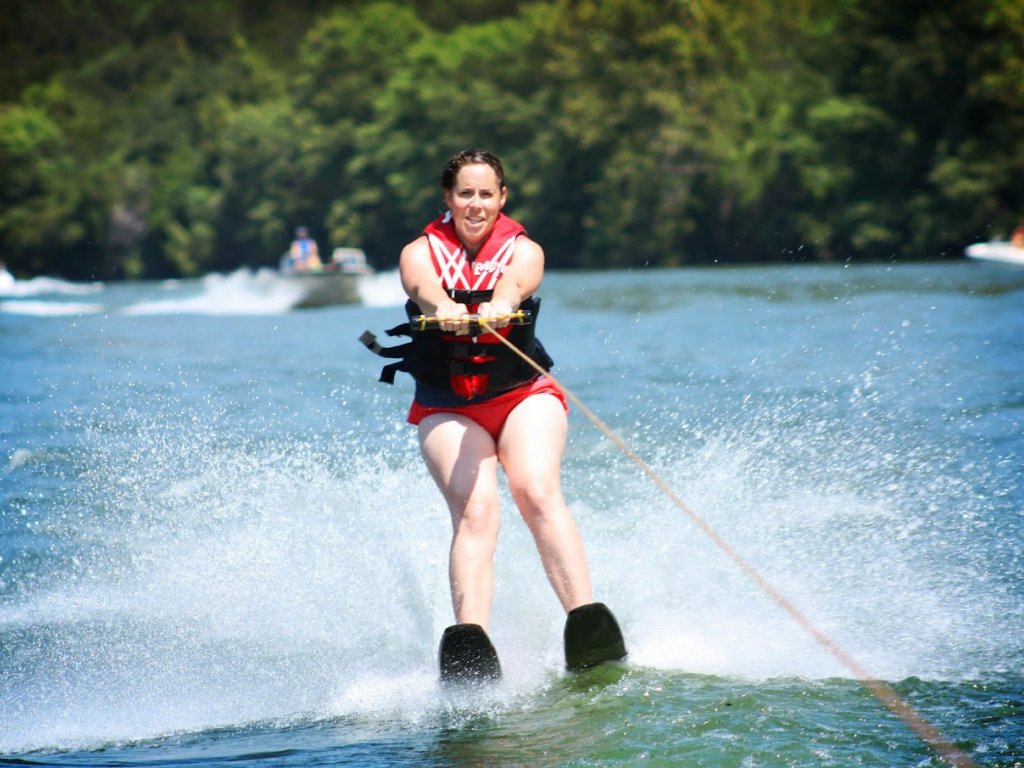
(459, 273)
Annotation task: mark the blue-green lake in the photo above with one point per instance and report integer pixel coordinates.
(219, 545)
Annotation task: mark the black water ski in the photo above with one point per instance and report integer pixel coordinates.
(467, 655)
(592, 636)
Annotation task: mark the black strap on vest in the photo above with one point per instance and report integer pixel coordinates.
(387, 374)
(470, 297)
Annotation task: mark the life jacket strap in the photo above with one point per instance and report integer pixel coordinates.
(470, 297)
(387, 373)
(401, 351)
(370, 342)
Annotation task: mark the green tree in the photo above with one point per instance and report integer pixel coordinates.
(144, 138)
(920, 131)
(39, 197)
(687, 115)
(348, 61)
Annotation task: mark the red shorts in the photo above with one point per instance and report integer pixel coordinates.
(491, 414)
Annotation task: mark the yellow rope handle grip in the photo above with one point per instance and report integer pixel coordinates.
(519, 317)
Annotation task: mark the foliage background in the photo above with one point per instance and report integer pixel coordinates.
(141, 138)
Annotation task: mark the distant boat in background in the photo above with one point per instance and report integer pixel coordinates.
(337, 282)
(999, 251)
(351, 261)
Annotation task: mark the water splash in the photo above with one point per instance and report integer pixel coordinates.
(382, 289)
(241, 292)
(38, 286)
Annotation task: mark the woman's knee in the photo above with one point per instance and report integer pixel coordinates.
(537, 499)
(478, 519)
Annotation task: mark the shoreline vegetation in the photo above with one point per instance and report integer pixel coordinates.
(144, 139)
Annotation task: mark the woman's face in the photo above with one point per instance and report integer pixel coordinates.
(475, 201)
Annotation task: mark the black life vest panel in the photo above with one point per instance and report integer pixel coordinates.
(434, 357)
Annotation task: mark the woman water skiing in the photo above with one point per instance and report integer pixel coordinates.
(477, 404)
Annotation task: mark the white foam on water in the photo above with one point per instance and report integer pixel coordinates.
(20, 457)
(237, 587)
(894, 580)
(37, 286)
(24, 296)
(382, 289)
(245, 584)
(50, 308)
(242, 292)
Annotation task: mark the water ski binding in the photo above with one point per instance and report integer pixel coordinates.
(592, 637)
(467, 655)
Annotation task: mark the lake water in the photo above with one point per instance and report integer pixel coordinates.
(218, 544)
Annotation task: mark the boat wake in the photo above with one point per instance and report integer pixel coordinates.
(242, 292)
(47, 296)
(39, 286)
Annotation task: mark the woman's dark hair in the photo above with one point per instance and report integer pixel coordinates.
(470, 157)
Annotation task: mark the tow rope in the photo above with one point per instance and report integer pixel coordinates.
(879, 689)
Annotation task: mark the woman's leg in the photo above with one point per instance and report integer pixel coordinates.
(462, 459)
(530, 450)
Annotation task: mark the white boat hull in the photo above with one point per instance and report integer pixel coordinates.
(1001, 252)
(324, 289)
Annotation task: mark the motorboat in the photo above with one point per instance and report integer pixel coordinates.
(351, 261)
(999, 251)
(336, 282)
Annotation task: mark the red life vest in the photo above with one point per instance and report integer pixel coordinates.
(471, 282)
(465, 365)
(457, 272)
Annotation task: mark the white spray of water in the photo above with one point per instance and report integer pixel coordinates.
(26, 297)
(242, 292)
(38, 286)
(382, 289)
(239, 587)
(50, 308)
(262, 582)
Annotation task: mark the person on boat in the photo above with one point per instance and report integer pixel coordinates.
(1017, 238)
(304, 256)
(477, 405)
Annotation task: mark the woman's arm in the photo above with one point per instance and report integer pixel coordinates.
(521, 281)
(423, 286)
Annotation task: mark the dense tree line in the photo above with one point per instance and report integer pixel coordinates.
(146, 138)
